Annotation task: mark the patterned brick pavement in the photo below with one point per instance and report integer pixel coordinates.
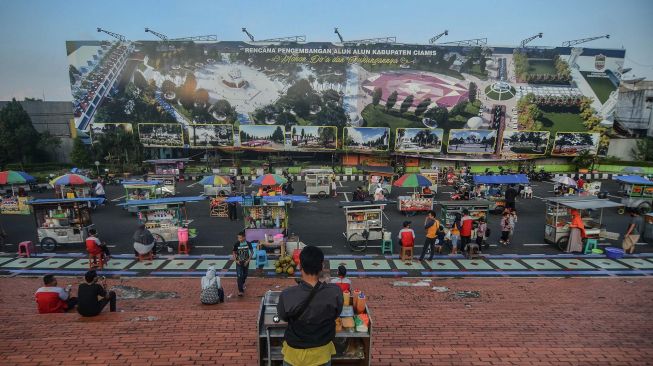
(515, 321)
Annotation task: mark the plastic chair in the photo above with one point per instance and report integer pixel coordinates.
(386, 246)
(590, 244)
(145, 257)
(261, 257)
(26, 249)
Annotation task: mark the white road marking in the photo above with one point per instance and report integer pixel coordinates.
(324, 246)
(345, 194)
(208, 246)
(535, 245)
(340, 183)
(192, 185)
(111, 246)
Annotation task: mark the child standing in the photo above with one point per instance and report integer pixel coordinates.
(481, 232)
(506, 228)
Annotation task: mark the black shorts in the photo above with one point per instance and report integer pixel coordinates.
(510, 205)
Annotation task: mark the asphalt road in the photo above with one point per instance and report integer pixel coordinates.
(320, 223)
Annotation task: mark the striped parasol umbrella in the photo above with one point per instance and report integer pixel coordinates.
(564, 180)
(269, 180)
(412, 181)
(215, 180)
(70, 180)
(9, 177)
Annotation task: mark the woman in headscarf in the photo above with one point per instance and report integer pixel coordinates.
(576, 233)
(212, 292)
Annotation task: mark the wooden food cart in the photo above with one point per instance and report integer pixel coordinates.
(173, 167)
(168, 187)
(364, 222)
(318, 182)
(558, 217)
(487, 182)
(62, 220)
(352, 347)
(636, 193)
(379, 175)
(138, 190)
(164, 217)
(476, 208)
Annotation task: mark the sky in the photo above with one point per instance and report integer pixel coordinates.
(33, 32)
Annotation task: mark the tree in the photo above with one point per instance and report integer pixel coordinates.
(392, 99)
(422, 106)
(201, 97)
(330, 95)
(301, 98)
(376, 95)
(18, 138)
(472, 91)
(222, 108)
(327, 136)
(458, 109)
(438, 114)
(332, 114)
(278, 136)
(80, 155)
(406, 104)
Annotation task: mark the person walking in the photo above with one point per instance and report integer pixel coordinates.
(334, 186)
(506, 227)
(510, 196)
(635, 227)
(242, 254)
(311, 309)
(481, 234)
(454, 233)
(466, 228)
(431, 225)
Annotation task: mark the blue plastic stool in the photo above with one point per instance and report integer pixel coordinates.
(590, 244)
(261, 257)
(386, 246)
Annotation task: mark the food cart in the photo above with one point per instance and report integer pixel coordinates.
(138, 190)
(168, 187)
(379, 175)
(353, 344)
(636, 193)
(477, 209)
(413, 204)
(216, 185)
(318, 182)
(558, 217)
(492, 186)
(164, 217)
(62, 220)
(173, 167)
(13, 188)
(434, 176)
(266, 217)
(364, 222)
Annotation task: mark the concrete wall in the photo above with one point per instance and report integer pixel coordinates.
(622, 148)
(634, 110)
(54, 117)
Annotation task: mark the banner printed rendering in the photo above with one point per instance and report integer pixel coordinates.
(472, 141)
(208, 135)
(524, 142)
(424, 140)
(262, 137)
(98, 129)
(366, 139)
(573, 143)
(313, 138)
(161, 134)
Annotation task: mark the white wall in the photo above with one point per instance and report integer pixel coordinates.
(622, 148)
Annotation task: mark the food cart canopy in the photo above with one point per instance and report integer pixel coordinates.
(633, 179)
(584, 203)
(271, 199)
(48, 201)
(317, 171)
(464, 203)
(501, 179)
(366, 204)
(163, 201)
(141, 183)
(164, 161)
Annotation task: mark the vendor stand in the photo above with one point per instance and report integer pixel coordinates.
(558, 218)
(171, 167)
(138, 190)
(412, 204)
(15, 201)
(433, 175)
(379, 175)
(270, 184)
(364, 222)
(164, 217)
(636, 193)
(477, 208)
(63, 221)
(318, 182)
(353, 344)
(72, 186)
(492, 188)
(265, 218)
(168, 187)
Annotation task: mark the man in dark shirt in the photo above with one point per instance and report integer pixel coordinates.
(242, 254)
(88, 294)
(311, 309)
(511, 195)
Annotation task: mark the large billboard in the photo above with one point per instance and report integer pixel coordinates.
(524, 142)
(366, 139)
(424, 140)
(262, 137)
(472, 141)
(307, 138)
(98, 129)
(209, 135)
(160, 135)
(574, 143)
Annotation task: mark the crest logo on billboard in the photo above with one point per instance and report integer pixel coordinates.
(599, 62)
